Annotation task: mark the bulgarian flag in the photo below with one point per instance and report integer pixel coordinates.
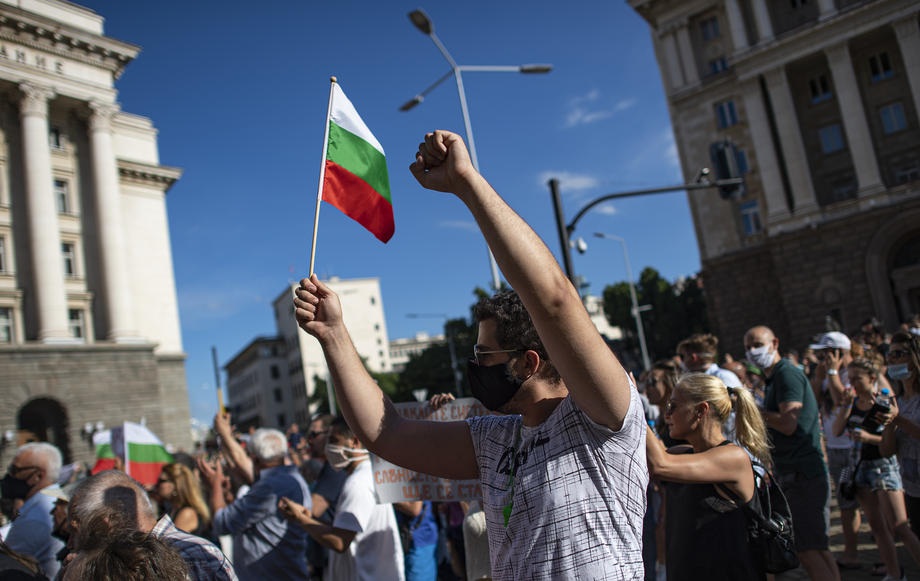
(142, 451)
(354, 175)
(105, 457)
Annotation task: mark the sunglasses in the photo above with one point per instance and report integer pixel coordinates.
(479, 351)
(14, 470)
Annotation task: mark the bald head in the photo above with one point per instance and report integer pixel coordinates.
(760, 334)
(115, 497)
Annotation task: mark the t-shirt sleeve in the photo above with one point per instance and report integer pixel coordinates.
(356, 503)
(791, 386)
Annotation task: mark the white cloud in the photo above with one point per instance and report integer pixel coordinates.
(625, 104)
(586, 109)
(459, 225)
(213, 303)
(569, 182)
(607, 209)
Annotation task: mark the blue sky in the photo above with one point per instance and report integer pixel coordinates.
(238, 92)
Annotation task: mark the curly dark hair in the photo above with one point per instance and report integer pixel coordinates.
(514, 327)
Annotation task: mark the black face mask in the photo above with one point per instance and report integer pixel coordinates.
(14, 487)
(493, 385)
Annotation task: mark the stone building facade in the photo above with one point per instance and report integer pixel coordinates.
(89, 324)
(820, 99)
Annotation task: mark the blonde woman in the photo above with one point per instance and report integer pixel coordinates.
(706, 533)
(180, 494)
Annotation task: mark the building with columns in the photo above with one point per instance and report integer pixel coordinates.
(89, 323)
(821, 99)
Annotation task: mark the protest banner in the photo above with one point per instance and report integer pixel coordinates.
(394, 483)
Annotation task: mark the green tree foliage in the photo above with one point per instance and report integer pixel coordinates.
(678, 311)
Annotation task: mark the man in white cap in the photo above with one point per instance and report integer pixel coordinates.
(829, 383)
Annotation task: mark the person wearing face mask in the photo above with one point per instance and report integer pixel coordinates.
(902, 435)
(791, 414)
(364, 537)
(265, 545)
(564, 463)
(35, 468)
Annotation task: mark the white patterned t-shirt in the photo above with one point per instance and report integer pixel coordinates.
(577, 498)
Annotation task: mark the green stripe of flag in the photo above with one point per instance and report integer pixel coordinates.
(148, 453)
(360, 158)
(104, 451)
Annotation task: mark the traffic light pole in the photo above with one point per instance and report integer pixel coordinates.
(565, 230)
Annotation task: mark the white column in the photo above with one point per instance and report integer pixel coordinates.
(826, 8)
(115, 283)
(736, 24)
(908, 34)
(768, 167)
(41, 208)
(672, 60)
(859, 139)
(687, 56)
(790, 141)
(762, 20)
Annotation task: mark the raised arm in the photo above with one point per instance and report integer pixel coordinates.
(728, 465)
(439, 448)
(591, 372)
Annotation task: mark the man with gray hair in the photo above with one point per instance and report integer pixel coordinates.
(34, 469)
(265, 545)
(114, 501)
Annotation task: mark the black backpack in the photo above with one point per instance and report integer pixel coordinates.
(769, 524)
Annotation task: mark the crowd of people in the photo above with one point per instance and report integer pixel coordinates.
(585, 471)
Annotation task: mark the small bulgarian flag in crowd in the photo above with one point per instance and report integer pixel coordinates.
(354, 175)
(141, 451)
(105, 458)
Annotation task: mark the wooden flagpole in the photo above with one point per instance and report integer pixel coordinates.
(322, 175)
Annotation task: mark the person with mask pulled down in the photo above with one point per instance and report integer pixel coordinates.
(791, 414)
(35, 468)
(563, 469)
(364, 537)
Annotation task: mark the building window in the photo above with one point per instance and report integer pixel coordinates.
(750, 218)
(62, 195)
(3, 267)
(880, 67)
(275, 373)
(54, 138)
(718, 65)
(373, 301)
(726, 115)
(77, 323)
(69, 254)
(6, 325)
(831, 138)
(909, 173)
(741, 158)
(281, 421)
(820, 89)
(893, 118)
(278, 394)
(797, 4)
(710, 28)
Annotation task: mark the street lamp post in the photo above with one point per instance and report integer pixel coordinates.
(458, 388)
(636, 309)
(424, 24)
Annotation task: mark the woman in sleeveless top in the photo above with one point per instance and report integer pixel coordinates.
(181, 497)
(878, 480)
(706, 530)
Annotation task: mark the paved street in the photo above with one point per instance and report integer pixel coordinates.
(867, 555)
